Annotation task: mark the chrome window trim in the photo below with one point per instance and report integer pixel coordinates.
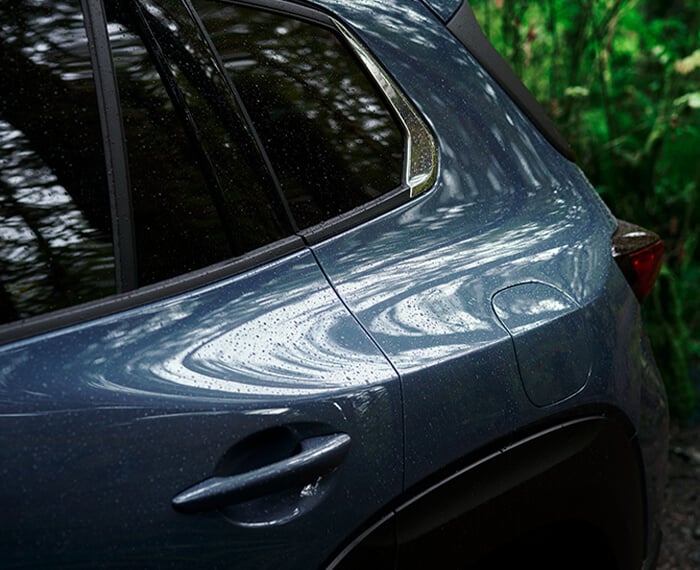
(420, 163)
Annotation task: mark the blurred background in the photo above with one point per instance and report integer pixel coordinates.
(621, 79)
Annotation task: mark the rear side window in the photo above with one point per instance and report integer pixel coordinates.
(55, 230)
(200, 190)
(327, 129)
(240, 130)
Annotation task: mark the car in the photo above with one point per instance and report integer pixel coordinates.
(309, 284)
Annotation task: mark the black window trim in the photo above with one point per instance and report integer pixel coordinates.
(62, 318)
(116, 166)
(262, 151)
(465, 27)
(363, 213)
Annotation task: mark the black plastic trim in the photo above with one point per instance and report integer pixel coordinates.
(562, 445)
(117, 171)
(583, 475)
(48, 322)
(466, 29)
(363, 213)
(653, 552)
(287, 8)
(262, 151)
(383, 525)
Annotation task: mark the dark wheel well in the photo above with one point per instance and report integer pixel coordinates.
(570, 496)
(574, 545)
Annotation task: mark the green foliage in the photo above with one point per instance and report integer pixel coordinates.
(622, 80)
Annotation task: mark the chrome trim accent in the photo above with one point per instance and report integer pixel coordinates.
(420, 164)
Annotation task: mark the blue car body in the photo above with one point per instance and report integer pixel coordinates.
(476, 343)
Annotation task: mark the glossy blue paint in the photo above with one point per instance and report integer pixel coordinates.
(102, 424)
(553, 344)
(444, 8)
(507, 209)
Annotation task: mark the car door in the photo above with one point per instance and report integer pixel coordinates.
(179, 384)
(262, 381)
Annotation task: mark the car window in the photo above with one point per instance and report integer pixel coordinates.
(200, 190)
(55, 230)
(226, 152)
(330, 137)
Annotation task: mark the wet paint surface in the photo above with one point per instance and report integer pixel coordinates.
(553, 344)
(506, 209)
(102, 424)
(444, 8)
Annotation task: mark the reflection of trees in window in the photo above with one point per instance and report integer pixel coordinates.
(331, 140)
(177, 227)
(201, 193)
(55, 231)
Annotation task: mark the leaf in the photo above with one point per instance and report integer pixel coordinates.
(688, 64)
(576, 92)
(691, 100)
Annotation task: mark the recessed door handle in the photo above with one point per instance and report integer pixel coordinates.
(317, 456)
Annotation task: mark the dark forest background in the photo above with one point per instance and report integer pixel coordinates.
(621, 78)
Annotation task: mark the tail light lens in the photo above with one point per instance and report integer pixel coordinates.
(639, 253)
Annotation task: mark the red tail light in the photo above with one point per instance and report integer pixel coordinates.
(639, 253)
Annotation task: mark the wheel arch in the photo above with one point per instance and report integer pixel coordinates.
(571, 488)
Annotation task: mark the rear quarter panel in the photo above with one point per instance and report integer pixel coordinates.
(506, 209)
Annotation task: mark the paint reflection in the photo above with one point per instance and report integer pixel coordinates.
(293, 349)
(277, 333)
(526, 307)
(495, 219)
(506, 209)
(285, 337)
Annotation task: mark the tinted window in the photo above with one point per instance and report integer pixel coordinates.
(55, 230)
(201, 192)
(325, 126)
